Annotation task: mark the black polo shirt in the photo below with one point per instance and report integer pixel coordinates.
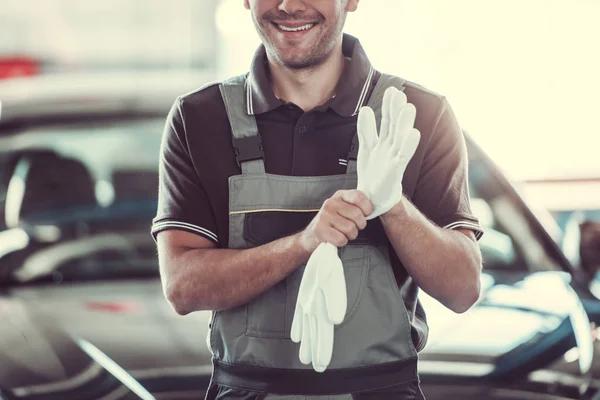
(197, 156)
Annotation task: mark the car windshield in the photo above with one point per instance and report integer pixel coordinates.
(512, 241)
(79, 198)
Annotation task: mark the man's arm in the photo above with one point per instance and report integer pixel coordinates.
(444, 263)
(198, 276)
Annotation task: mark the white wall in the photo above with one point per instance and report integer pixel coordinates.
(145, 33)
(522, 75)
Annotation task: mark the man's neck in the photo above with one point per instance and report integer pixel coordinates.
(308, 88)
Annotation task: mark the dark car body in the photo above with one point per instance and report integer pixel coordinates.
(81, 266)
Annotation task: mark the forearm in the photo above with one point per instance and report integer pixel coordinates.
(444, 263)
(220, 279)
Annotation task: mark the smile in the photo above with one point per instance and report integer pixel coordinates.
(295, 29)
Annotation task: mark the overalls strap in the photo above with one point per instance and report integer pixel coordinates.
(246, 140)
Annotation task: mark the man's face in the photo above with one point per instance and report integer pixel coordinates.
(299, 34)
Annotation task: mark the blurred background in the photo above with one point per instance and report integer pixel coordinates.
(84, 91)
(521, 76)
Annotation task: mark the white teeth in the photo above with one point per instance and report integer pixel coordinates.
(300, 28)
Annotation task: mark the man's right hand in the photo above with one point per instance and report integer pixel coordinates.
(339, 220)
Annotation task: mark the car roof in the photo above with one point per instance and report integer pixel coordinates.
(96, 93)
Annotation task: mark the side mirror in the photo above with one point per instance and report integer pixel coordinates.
(589, 247)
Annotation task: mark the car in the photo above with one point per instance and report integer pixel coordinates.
(78, 185)
(574, 206)
(507, 351)
(85, 213)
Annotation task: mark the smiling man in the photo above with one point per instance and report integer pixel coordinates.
(260, 169)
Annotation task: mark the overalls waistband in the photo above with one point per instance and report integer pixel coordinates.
(310, 382)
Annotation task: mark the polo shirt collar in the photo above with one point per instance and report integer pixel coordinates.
(350, 94)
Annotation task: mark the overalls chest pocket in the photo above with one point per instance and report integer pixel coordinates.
(270, 314)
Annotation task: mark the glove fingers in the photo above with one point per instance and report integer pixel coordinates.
(366, 129)
(367, 139)
(397, 110)
(314, 335)
(306, 344)
(324, 340)
(404, 123)
(296, 332)
(401, 96)
(408, 149)
(386, 112)
(326, 336)
(334, 292)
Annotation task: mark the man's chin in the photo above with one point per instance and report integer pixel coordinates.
(296, 63)
(299, 60)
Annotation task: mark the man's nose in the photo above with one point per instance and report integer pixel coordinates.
(292, 6)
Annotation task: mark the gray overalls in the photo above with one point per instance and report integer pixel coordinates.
(253, 355)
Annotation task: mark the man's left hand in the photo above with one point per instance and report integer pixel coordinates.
(382, 159)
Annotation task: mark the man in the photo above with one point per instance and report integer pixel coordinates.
(239, 217)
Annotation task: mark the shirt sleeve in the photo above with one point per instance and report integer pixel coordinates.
(182, 201)
(442, 191)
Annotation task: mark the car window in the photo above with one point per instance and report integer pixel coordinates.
(510, 242)
(79, 186)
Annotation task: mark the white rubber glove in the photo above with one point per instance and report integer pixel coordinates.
(321, 304)
(382, 159)
(381, 162)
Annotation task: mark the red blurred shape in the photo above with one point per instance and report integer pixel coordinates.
(17, 66)
(112, 306)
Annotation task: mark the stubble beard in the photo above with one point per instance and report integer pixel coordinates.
(319, 51)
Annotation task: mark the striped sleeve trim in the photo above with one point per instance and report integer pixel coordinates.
(476, 228)
(161, 226)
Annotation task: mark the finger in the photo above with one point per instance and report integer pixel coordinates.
(305, 344)
(355, 215)
(401, 96)
(359, 199)
(323, 343)
(410, 145)
(314, 337)
(345, 226)
(385, 112)
(325, 348)
(334, 291)
(396, 111)
(366, 128)
(335, 237)
(296, 331)
(406, 120)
